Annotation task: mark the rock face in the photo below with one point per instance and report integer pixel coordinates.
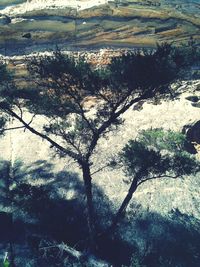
(193, 136)
(99, 23)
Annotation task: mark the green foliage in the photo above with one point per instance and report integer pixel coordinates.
(163, 140)
(136, 261)
(187, 55)
(4, 74)
(61, 91)
(140, 71)
(158, 152)
(6, 264)
(7, 87)
(147, 70)
(136, 156)
(184, 164)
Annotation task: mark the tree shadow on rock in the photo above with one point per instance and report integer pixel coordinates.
(49, 205)
(173, 240)
(54, 201)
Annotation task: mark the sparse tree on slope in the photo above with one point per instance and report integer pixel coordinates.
(61, 86)
(155, 154)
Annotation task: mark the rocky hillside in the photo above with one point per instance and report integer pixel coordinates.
(38, 25)
(158, 206)
(174, 115)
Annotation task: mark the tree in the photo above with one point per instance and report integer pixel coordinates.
(61, 86)
(155, 154)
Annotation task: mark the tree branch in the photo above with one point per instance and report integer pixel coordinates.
(158, 177)
(114, 115)
(43, 136)
(14, 128)
(133, 187)
(70, 142)
(71, 251)
(100, 169)
(82, 257)
(20, 109)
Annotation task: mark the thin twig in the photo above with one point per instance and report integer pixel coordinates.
(100, 169)
(14, 128)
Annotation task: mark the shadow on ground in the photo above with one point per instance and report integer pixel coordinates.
(39, 206)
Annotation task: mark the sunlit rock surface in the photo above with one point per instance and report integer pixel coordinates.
(92, 24)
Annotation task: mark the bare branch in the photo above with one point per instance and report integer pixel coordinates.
(80, 256)
(70, 142)
(47, 138)
(30, 121)
(114, 115)
(85, 118)
(20, 109)
(100, 169)
(158, 177)
(72, 252)
(14, 128)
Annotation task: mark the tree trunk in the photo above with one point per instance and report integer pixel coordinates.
(9, 181)
(121, 211)
(12, 257)
(90, 209)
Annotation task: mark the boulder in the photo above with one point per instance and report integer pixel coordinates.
(193, 98)
(27, 35)
(193, 137)
(196, 105)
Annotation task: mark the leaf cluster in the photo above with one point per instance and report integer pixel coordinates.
(63, 82)
(6, 83)
(158, 152)
(145, 69)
